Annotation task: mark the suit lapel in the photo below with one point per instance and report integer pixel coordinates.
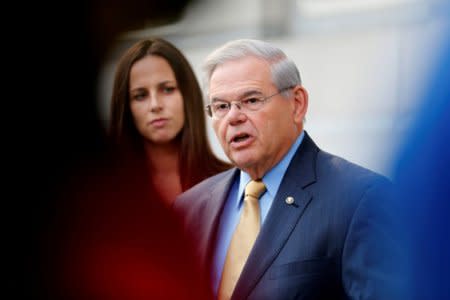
(281, 218)
(212, 208)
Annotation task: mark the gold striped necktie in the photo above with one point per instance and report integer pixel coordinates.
(243, 239)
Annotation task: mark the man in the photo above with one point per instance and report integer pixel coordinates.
(317, 214)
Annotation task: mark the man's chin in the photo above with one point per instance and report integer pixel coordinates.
(243, 162)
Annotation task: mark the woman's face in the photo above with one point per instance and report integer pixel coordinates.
(156, 102)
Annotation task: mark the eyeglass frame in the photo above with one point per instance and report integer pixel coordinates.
(239, 104)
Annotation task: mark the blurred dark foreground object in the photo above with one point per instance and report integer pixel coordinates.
(117, 241)
(83, 223)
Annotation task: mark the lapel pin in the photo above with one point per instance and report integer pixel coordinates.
(289, 200)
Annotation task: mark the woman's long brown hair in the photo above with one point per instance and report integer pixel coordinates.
(197, 160)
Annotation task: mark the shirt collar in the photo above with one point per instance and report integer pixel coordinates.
(271, 179)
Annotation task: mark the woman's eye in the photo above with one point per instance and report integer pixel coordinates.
(168, 89)
(138, 97)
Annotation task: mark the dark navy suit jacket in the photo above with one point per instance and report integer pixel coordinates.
(322, 246)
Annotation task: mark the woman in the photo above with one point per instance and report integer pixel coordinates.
(157, 113)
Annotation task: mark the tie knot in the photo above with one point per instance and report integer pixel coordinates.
(255, 188)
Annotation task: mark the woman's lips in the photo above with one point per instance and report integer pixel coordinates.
(159, 123)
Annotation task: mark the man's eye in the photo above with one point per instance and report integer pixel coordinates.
(251, 101)
(221, 106)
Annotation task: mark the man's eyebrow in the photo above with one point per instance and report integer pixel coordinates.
(250, 93)
(242, 96)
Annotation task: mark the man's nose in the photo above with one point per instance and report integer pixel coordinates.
(236, 115)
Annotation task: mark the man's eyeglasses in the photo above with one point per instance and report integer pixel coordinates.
(218, 109)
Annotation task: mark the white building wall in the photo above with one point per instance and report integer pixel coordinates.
(364, 69)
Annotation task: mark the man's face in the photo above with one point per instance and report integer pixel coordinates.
(255, 141)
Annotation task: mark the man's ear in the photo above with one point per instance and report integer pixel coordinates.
(300, 103)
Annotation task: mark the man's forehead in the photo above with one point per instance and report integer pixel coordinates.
(246, 64)
(233, 79)
(236, 95)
